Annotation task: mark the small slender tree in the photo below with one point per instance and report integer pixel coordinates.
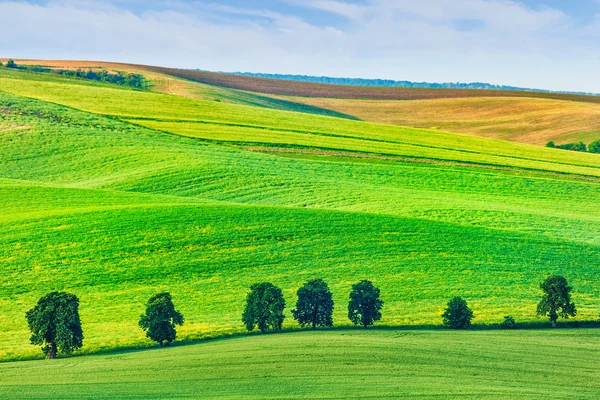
(315, 304)
(160, 319)
(458, 315)
(594, 147)
(54, 323)
(556, 300)
(509, 322)
(365, 305)
(264, 308)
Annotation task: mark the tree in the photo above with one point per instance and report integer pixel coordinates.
(315, 304)
(54, 323)
(458, 315)
(264, 307)
(594, 147)
(556, 300)
(160, 319)
(364, 307)
(11, 64)
(550, 144)
(509, 322)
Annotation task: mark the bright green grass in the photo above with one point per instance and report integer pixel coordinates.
(114, 212)
(234, 96)
(237, 123)
(374, 364)
(207, 256)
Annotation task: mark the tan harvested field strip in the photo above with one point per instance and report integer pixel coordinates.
(13, 128)
(306, 89)
(524, 120)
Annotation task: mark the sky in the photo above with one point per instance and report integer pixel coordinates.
(546, 44)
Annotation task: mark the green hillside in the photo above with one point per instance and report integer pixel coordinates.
(330, 365)
(114, 194)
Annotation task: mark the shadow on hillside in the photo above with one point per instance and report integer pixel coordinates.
(437, 328)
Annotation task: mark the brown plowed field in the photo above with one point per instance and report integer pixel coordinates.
(304, 89)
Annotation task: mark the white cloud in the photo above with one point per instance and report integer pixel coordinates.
(432, 40)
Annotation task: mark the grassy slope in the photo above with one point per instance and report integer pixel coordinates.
(305, 89)
(113, 212)
(330, 365)
(168, 84)
(533, 118)
(243, 124)
(524, 120)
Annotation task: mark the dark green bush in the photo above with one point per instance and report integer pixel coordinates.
(509, 322)
(579, 146)
(594, 147)
(458, 315)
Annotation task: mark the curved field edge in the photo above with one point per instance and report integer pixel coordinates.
(524, 120)
(230, 122)
(330, 365)
(168, 84)
(207, 256)
(440, 229)
(525, 117)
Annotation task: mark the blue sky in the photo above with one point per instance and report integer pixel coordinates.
(552, 44)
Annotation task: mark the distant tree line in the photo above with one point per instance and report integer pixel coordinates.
(118, 78)
(594, 147)
(399, 84)
(55, 324)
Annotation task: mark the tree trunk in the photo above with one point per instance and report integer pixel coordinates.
(554, 322)
(52, 353)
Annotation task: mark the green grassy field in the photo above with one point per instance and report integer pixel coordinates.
(330, 365)
(114, 194)
(524, 120)
(225, 122)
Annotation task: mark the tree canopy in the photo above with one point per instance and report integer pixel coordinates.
(54, 323)
(160, 319)
(556, 299)
(365, 305)
(594, 147)
(457, 315)
(315, 304)
(264, 307)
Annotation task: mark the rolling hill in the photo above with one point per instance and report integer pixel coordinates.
(329, 365)
(115, 193)
(520, 116)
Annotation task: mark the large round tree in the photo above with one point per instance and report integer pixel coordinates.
(264, 307)
(54, 323)
(457, 315)
(556, 300)
(365, 305)
(160, 319)
(315, 304)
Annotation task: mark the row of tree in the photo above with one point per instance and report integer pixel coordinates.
(55, 324)
(265, 305)
(594, 147)
(118, 78)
